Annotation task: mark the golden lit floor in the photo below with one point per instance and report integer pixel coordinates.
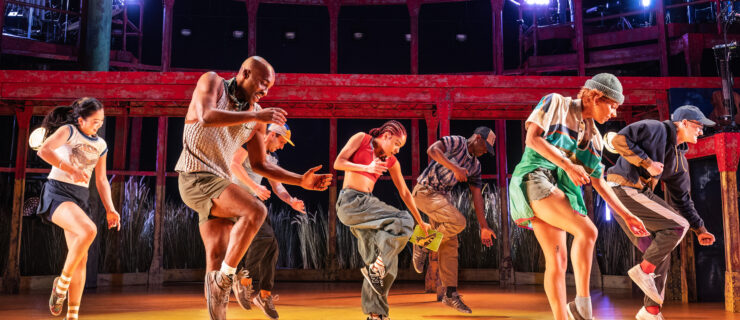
(341, 300)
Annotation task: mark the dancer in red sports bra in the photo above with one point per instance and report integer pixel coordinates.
(382, 231)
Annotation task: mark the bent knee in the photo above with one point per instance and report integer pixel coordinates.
(88, 233)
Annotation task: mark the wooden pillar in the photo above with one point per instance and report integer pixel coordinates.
(497, 9)
(662, 104)
(505, 266)
(415, 151)
(334, 7)
(118, 185)
(414, 7)
(167, 17)
(688, 269)
(332, 245)
(727, 160)
(432, 282)
(12, 276)
(578, 28)
(155, 269)
(252, 6)
(2, 23)
(135, 157)
(432, 122)
(662, 37)
(444, 112)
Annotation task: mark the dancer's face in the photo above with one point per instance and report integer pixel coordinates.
(479, 145)
(689, 131)
(92, 123)
(274, 142)
(257, 82)
(389, 145)
(602, 109)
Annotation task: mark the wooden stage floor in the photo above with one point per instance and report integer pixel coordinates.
(340, 301)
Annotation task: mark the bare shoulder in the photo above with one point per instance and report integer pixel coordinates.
(209, 81)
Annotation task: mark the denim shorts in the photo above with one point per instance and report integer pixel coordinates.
(539, 184)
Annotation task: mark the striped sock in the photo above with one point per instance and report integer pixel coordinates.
(378, 266)
(72, 311)
(63, 284)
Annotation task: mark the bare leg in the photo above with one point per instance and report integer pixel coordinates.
(552, 241)
(77, 286)
(77, 224)
(237, 202)
(215, 234)
(556, 211)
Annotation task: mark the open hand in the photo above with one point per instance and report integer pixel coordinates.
(487, 236)
(578, 175)
(272, 115)
(378, 166)
(313, 181)
(636, 226)
(262, 192)
(297, 205)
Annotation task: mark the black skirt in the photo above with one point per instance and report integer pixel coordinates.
(54, 193)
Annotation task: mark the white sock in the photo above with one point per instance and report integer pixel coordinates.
(63, 284)
(227, 270)
(378, 265)
(72, 312)
(583, 304)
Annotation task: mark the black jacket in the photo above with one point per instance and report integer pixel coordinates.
(643, 142)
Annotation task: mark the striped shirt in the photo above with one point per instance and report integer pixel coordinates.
(441, 179)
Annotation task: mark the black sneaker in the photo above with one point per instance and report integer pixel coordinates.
(419, 258)
(56, 301)
(573, 313)
(375, 279)
(266, 305)
(456, 303)
(242, 288)
(218, 287)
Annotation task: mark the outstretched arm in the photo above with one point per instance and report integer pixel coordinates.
(103, 186)
(408, 199)
(283, 194)
(635, 224)
(480, 212)
(257, 159)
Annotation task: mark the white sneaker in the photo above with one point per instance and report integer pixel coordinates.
(646, 282)
(643, 314)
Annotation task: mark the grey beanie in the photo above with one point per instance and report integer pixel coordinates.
(608, 84)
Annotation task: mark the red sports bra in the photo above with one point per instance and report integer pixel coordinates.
(364, 155)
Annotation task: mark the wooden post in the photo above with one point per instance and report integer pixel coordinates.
(662, 104)
(332, 245)
(155, 269)
(662, 37)
(136, 127)
(252, 6)
(505, 265)
(334, 6)
(414, 7)
(727, 145)
(415, 152)
(497, 9)
(12, 276)
(117, 186)
(167, 16)
(578, 28)
(444, 112)
(432, 282)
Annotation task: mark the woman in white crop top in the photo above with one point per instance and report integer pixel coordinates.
(74, 150)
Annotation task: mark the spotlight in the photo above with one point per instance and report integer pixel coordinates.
(358, 35)
(290, 35)
(607, 213)
(461, 37)
(645, 3)
(408, 37)
(537, 2)
(185, 32)
(238, 34)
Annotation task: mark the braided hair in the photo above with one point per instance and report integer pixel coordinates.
(393, 127)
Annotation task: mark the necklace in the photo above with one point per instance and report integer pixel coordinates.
(231, 92)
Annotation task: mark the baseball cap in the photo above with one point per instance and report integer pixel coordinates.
(488, 136)
(689, 112)
(283, 131)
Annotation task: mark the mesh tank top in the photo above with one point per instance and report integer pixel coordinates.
(210, 149)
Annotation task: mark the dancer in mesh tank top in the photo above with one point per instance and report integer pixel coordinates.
(224, 115)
